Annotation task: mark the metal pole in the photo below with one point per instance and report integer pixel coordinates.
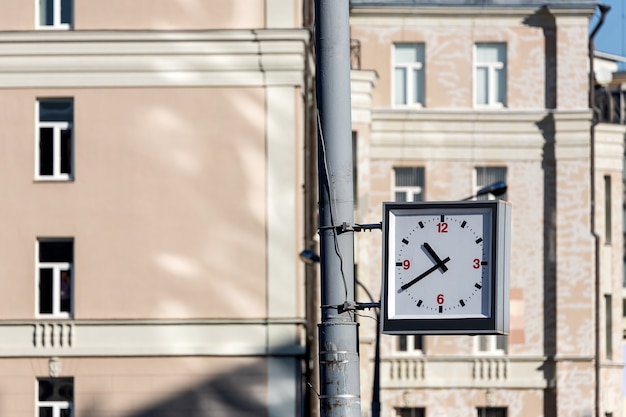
(338, 333)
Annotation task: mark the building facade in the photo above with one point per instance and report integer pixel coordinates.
(450, 96)
(153, 152)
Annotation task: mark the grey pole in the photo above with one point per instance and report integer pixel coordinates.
(338, 333)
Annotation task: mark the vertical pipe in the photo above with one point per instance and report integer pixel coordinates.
(338, 333)
(604, 9)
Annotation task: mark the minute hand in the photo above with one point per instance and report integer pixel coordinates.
(424, 274)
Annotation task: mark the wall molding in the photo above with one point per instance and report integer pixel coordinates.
(472, 135)
(115, 338)
(153, 59)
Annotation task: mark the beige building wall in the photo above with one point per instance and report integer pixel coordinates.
(163, 14)
(185, 207)
(548, 368)
(143, 386)
(156, 229)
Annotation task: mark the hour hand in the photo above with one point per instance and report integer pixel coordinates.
(436, 258)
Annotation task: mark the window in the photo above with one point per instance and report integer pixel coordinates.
(55, 397)
(409, 184)
(410, 412)
(54, 272)
(487, 176)
(491, 412)
(355, 167)
(491, 344)
(490, 74)
(408, 74)
(410, 343)
(607, 210)
(608, 325)
(54, 14)
(54, 159)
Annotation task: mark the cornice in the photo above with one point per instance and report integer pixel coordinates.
(485, 135)
(456, 11)
(461, 12)
(124, 59)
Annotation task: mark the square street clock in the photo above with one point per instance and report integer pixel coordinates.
(446, 267)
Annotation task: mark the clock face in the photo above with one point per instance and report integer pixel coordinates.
(439, 263)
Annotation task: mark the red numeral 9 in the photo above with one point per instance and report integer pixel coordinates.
(406, 264)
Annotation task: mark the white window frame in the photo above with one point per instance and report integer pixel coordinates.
(492, 77)
(56, 17)
(57, 128)
(410, 346)
(491, 342)
(57, 407)
(410, 68)
(479, 186)
(57, 268)
(409, 190)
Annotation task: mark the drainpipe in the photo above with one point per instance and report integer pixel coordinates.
(604, 9)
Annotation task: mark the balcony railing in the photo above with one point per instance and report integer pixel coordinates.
(420, 371)
(610, 105)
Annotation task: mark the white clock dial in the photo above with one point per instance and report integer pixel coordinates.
(439, 261)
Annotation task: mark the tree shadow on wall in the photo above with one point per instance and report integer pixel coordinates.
(243, 391)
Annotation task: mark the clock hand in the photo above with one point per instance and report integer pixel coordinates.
(423, 275)
(436, 258)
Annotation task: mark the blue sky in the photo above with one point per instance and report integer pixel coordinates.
(612, 35)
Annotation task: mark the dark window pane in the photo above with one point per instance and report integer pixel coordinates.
(488, 175)
(56, 110)
(400, 196)
(45, 151)
(410, 412)
(492, 412)
(66, 413)
(66, 11)
(483, 343)
(412, 177)
(501, 342)
(66, 151)
(66, 389)
(417, 342)
(46, 388)
(402, 343)
(45, 291)
(45, 411)
(66, 291)
(56, 251)
(46, 14)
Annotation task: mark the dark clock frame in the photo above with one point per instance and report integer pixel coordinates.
(498, 322)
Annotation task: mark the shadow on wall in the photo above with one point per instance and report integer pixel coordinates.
(242, 391)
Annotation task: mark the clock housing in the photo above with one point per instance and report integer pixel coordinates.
(446, 268)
